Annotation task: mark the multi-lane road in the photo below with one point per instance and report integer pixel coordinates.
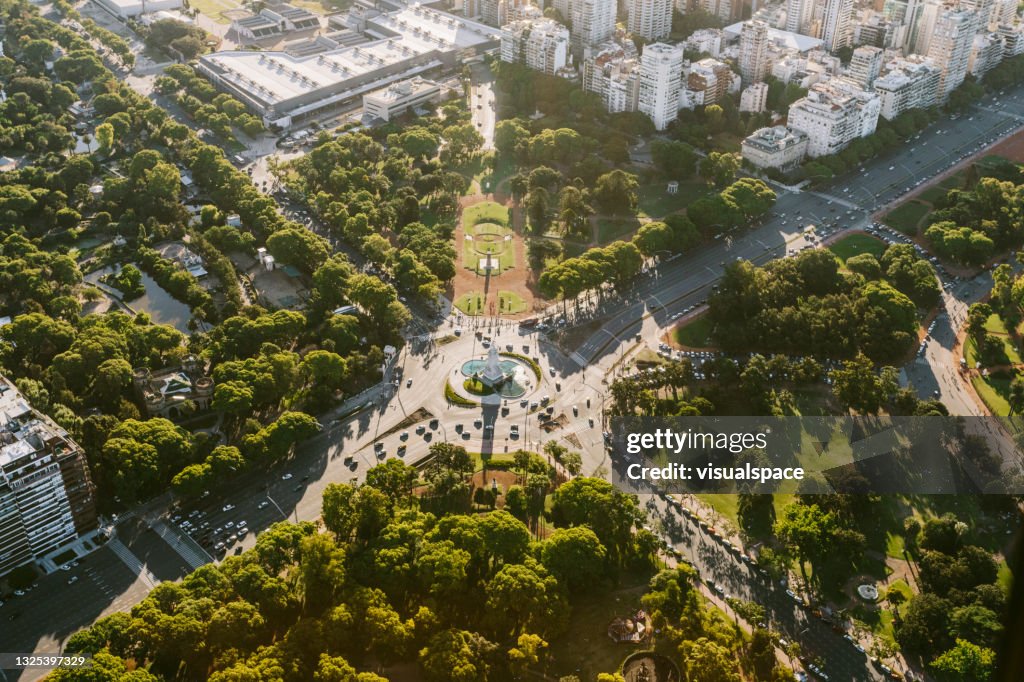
(119, 575)
(851, 200)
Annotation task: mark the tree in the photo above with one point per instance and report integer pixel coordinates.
(322, 572)
(538, 208)
(105, 137)
(803, 529)
(575, 556)
(524, 597)
(395, 479)
(616, 192)
(708, 661)
(455, 656)
(965, 662)
(653, 237)
(858, 386)
(674, 159)
(299, 248)
(719, 168)
(573, 209)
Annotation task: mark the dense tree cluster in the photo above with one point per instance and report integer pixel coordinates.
(955, 623)
(470, 597)
(376, 198)
(807, 305)
(217, 111)
(969, 225)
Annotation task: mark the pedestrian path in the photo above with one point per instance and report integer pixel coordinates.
(578, 359)
(133, 562)
(186, 548)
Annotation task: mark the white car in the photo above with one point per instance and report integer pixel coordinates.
(263, 505)
(227, 507)
(72, 580)
(286, 477)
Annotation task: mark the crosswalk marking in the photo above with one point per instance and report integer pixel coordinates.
(192, 555)
(132, 562)
(578, 359)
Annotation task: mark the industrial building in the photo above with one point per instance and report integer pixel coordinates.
(398, 98)
(411, 40)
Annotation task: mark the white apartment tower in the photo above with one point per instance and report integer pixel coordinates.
(908, 84)
(661, 79)
(753, 59)
(837, 29)
(865, 65)
(833, 115)
(650, 19)
(541, 44)
(950, 47)
(794, 15)
(593, 22)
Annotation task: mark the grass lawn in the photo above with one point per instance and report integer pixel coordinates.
(906, 217)
(510, 303)
(994, 390)
(611, 229)
(656, 203)
(485, 212)
(1008, 355)
(856, 244)
(213, 8)
(696, 333)
(585, 649)
(934, 194)
(471, 303)
(488, 238)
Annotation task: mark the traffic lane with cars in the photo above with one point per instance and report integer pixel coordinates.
(43, 619)
(723, 567)
(678, 284)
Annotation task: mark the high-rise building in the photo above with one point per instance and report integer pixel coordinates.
(46, 494)
(986, 53)
(541, 44)
(753, 58)
(723, 9)
(709, 81)
(950, 47)
(661, 79)
(593, 22)
(910, 83)
(837, 29)
(1013, 39)
(874, 30)
(754, 98)
(612, 71)
(833, 114)
(983, 11)
(650, 19)
(865, 65)
(794, 15)
(922, 27)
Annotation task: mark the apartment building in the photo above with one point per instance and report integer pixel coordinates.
(908, 83)
(541, 44)
(612, 71)
(986, 53)
(593, 22)
(754, 98)
(950, 47)
(837, 27)
(865, 65)
(650, 19)
(753, 55)
(709, 81)
(833, 114)
(776, 147)
(661, 71)
(46, 493)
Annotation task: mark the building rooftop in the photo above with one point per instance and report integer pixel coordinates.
(774, 139)
(274, 76)
(22, 429)
(783, 39)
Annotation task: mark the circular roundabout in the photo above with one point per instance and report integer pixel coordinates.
(512, 379)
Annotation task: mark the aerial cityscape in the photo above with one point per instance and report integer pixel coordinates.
(485, 340)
